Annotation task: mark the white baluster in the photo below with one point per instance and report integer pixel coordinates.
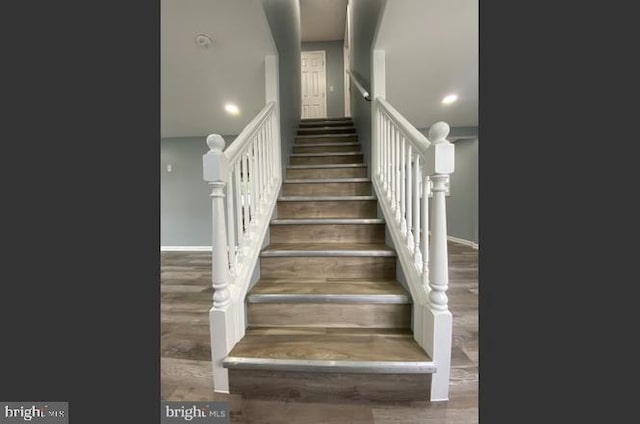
(275, 144)
(380, 143)
(253, 179)
(256, 157)
(385, 157)
(390, 163)
(277, 152)
(403, 186)
(426, 193)
(216, 173)
(410, 199)
(247, 196)
(267, 163)
(263, 163)
(443, 152)
(394, 175)
(417, 176)
(396, 172)
(269, 154)
(231, 226)
(258, 152)
(238, 211)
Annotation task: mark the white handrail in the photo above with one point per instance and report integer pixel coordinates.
(417, 139)
(247, 132)
(359, 86)
(245, 180)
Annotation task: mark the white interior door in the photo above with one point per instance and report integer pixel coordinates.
(314, 85)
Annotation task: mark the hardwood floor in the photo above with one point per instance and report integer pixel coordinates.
(186, 371)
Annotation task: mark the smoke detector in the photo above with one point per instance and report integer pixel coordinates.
(203, 40)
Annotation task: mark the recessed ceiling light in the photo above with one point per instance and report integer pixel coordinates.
(232, 109)
(449, 99)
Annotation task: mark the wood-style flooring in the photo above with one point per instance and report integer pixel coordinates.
(186, 371)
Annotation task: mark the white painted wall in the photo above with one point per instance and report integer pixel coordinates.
(185, 202)
(462, 205)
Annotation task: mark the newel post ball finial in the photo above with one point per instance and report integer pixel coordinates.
(439, 132)
(215, 142)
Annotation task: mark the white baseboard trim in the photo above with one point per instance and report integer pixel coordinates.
(463, 241)
(185, 248)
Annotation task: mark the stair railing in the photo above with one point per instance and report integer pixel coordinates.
(245, 180)
(409, 171)
(365, 93)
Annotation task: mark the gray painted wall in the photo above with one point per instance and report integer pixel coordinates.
(462, 204)
(284, 19)
(185, 205)
(335, 74)
(364, 20)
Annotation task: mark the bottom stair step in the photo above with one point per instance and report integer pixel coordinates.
(330, 364)
(346, 351)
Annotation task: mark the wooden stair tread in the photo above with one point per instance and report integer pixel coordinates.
(305, 288)
(367, 346)
(308, 136)
(329, 246)
(339, 118)
(326, 180)
(348, 331)
(328, 280)
(327, 221)
(321, 124)
(319, 129)
(334, 144)
(312, 155)
(322, 198)
(326, 166)
(321, 249)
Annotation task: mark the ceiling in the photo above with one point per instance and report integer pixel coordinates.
(196, 82)
(431, 48)
(322, 20)
(431, 51)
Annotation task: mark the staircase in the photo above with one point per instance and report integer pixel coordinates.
(327, 319)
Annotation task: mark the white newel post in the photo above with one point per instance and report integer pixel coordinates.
(443, 159)
(216, 173)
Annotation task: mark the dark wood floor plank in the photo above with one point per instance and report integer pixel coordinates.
(192, 379)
